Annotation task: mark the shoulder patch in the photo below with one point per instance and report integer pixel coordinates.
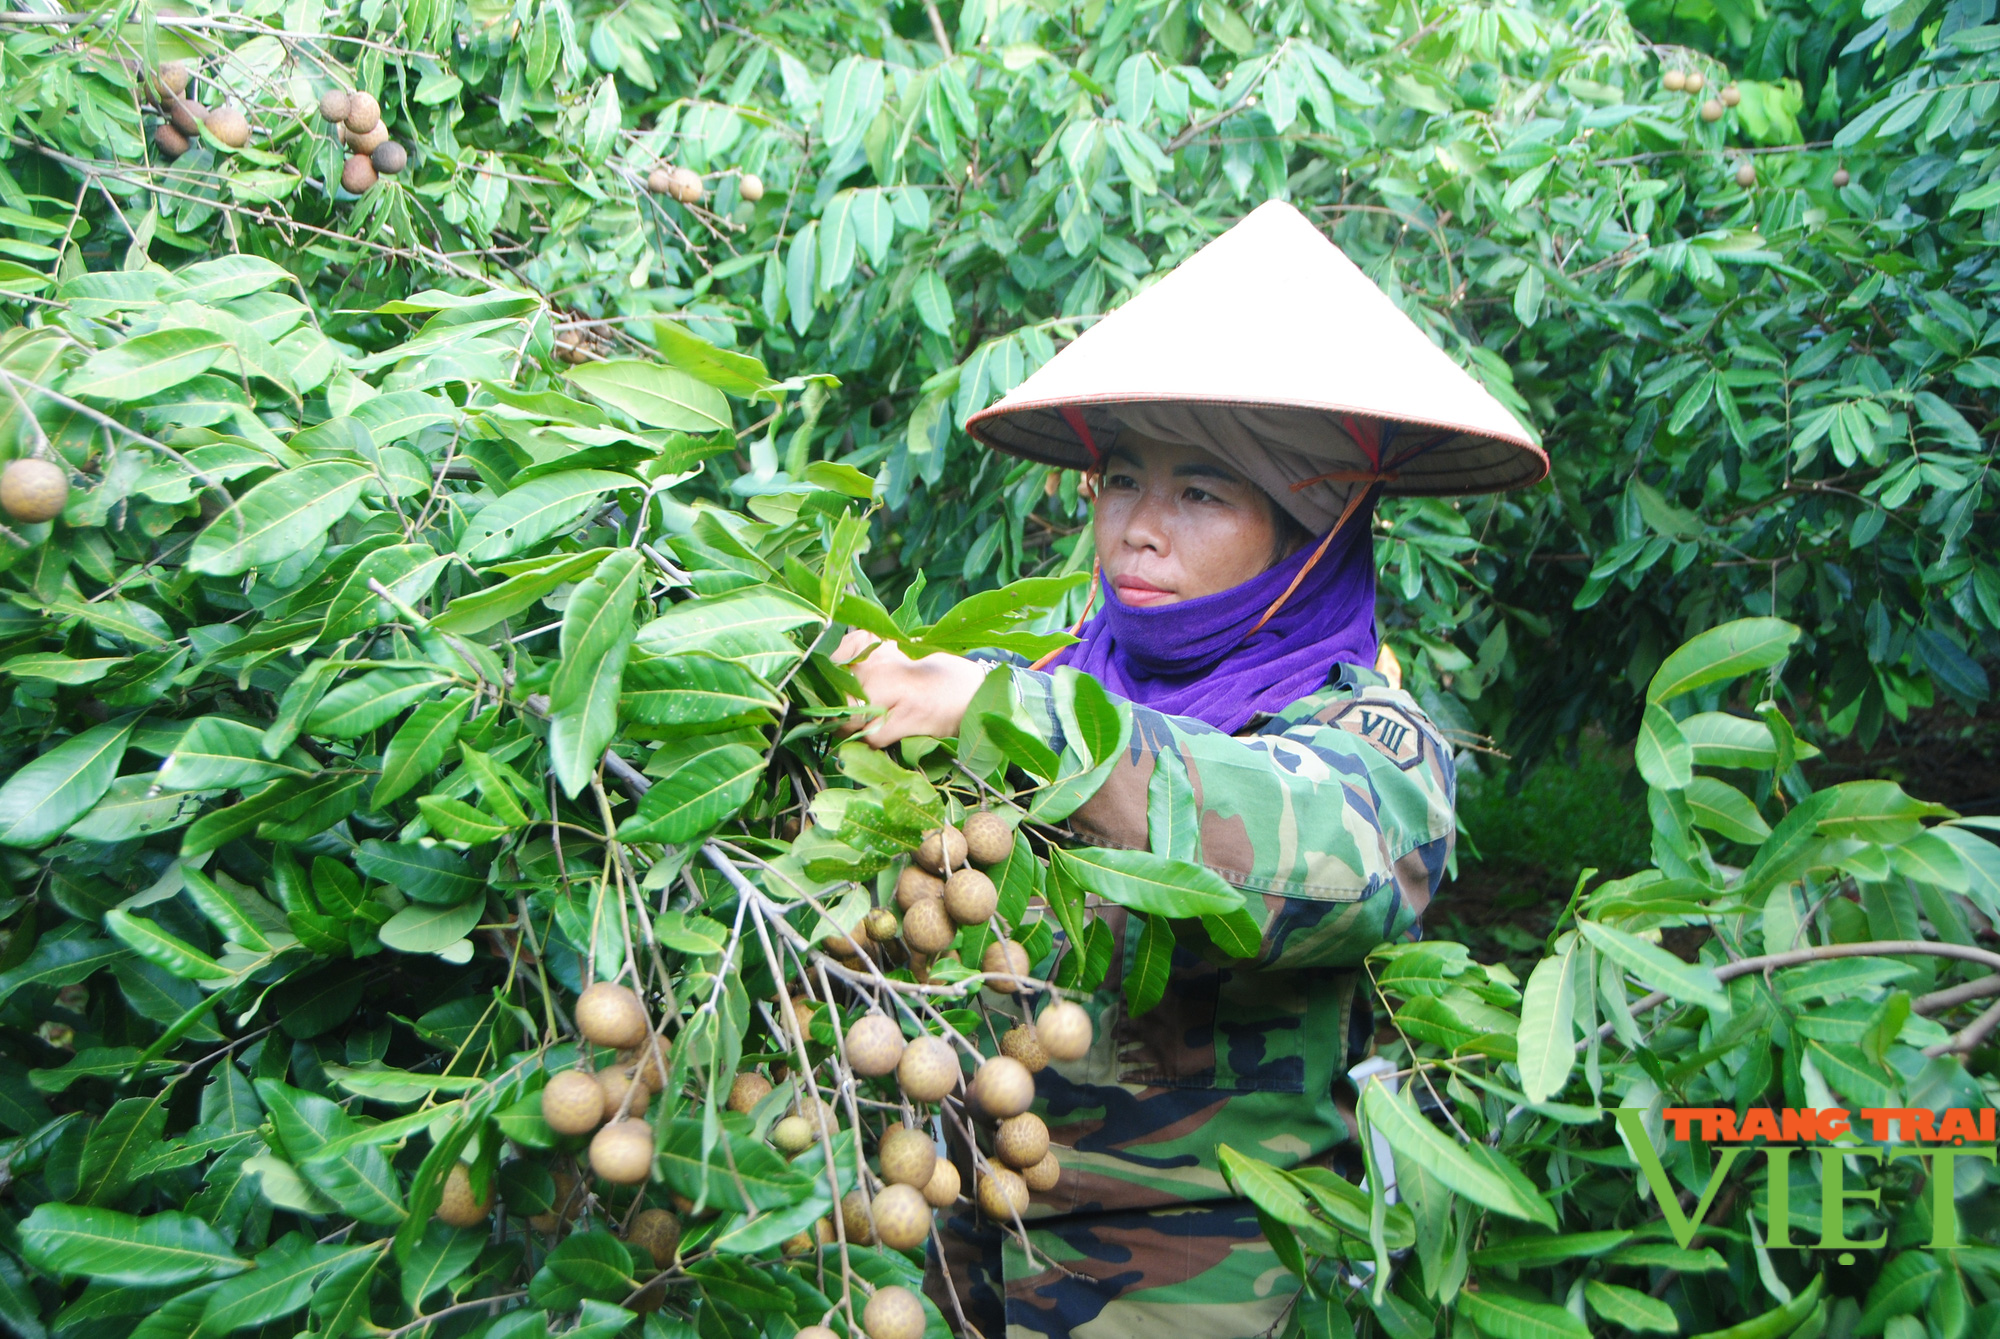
(1387, 726)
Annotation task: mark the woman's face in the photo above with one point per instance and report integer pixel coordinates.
(1174, 523)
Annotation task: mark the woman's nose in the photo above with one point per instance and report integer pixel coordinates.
(1145, 525)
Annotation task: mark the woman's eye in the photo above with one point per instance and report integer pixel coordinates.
(1201, 495)
(1119, 481)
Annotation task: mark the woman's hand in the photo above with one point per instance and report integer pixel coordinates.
(918, 697)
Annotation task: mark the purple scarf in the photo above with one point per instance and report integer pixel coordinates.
(1192, 659)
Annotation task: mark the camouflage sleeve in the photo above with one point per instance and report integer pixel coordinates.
(1338, 811)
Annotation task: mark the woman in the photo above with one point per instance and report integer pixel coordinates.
(1239, 418)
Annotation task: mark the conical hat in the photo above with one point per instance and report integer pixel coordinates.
(1271, 335)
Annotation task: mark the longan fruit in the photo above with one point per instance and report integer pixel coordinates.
(893, 1313)
(750, 186)
(793, 1135)
(366, 141)
(799, 1245)
(358, 175)
(819, 1113)
(622, 1152)
(874, 1045)
(649, 1062)
(1043, 1175)
(970, 897)
(173, 78)
(902, 1218)
(915, 884)
(1009, 960)
(169, 141)
(908, 1157)
(880, 924)
(1711, 110)
(1674, 80)
(928, 1069)
(608, 1014)
(1003, 1087)
(187, 116)
(928, 927)
(229, 125)
(390, 158)
(1840, 177)
(333, 104)
(854, 1220)
(658, 1234)
(1731, 95)
(747, 1090)
(811, 1331)
(573, 1102)
(988, 839)
(458, 1207)
(1021, 1043)
(1746, 174)
(659, 180)
(842, 945)
(1021, 1141)
(616, 1083)
(942, 850)
(363, 112)
(1002, 1193)
(1064, 1031)
(1694, 81)
(941, 1191)
(33, 490)
(684, 184)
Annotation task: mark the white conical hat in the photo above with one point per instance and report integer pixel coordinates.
(1270, 343)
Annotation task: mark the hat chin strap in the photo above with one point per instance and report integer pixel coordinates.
(1368, 479)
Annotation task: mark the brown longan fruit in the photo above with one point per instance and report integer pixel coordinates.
(1021, 1043)
(366, 141)
(811, 1331)
(659, 179)
(333, 104)
(616, 1081)
(928, 1069)
(908, 1157)
(390, 158)
(747, 1090)
(358, 175)
(573, 1102)
(186, 114)
(1731, 95)
(1674, 80)
(1746, 174)
(914, 884)
(229, 125)
(1064, 1031)
(801, 1010)
(941, 1191)
(33, 489)
(1009, 960)
(988, 839)
(459, 1208)
(648, 1061)
(942, 850)
(841, 944)
(1002, 1193)
(874, 1045)
(880, 924)
(928, 927)
(1711, 110)
(854, 1219)
(970, 897)
(893, 1313)
(750, 186)
(363, 112)
(169, 141)
(622, 1152)
(902, 1218)
(1695, 80)
(1003, 1087)
(799, 1245)
(684, 184)
(173, 79)
(793, 1135)
(608, 1014)
(1021, 1141)
(1840, 177)
(658, 1234)
(1043, 1175)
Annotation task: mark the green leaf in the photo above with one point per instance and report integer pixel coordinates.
(40, 800)
(536, 510)
(444, 1253)
(692, 690)
(420, 744)
(1725, 810)
(1534, 1252)
(1688, 982)
(426, 929)
(735, 373)
(455, 820)
(932, 301)
(1411, 1136)
(1721, 740)
(596, 638)
(1146, 974)
(658, 397)
(61, 669)
(146, 364)
(1742, 647)
(1150, 883)
(281, 1284)
(1547, 1037)
(427, 873)
(371, 701)
(220, 754)
(110, 1247)
(1630, 1308)
(1872, 811)
(749, 1176)
(481, 609)
(1662, 754)
(129, 809)
(701, 792)
(161, 949)
(279, 517)
(1507, 1317)
(1779, 1321)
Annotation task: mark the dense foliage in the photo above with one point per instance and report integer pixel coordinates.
(438, 622)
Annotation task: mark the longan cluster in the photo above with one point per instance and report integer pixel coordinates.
(183, 119)
(357, 119)
(611, 1101)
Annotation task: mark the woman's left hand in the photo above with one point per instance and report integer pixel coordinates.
(918, 697)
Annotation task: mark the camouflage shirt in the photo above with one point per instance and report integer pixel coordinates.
(1339, 813)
